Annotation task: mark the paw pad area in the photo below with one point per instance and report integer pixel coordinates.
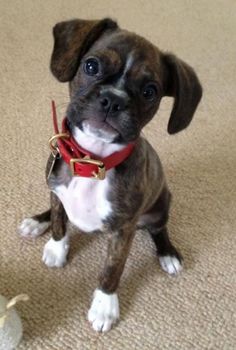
(104, 311)
(55, 252)
(32, 228)
(170, 264)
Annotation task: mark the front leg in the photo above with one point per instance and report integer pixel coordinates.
(56, 249)
(104, 310)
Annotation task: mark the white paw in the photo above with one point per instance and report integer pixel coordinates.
(170, 264)
(104, 311)
(55, 252)
(32, 228)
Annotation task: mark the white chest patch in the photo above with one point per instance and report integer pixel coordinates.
(85, 202)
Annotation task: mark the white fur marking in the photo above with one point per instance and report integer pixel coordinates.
(104, 311)
(170, 264)
(120, 83)
(94, 145)
(103, 135)
(115, 91)
(85, 202)
(32, 228)
(55, 252)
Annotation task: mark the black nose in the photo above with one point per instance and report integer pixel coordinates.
(112, 103)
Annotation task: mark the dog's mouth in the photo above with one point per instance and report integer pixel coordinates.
(100, 129)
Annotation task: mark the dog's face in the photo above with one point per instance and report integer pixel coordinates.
(117, 80)
(117, 87)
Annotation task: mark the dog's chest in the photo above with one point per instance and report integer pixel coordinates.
(85, 202)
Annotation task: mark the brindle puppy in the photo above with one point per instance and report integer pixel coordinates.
(116, 82)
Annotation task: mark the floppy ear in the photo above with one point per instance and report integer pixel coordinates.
(181, 83)
(71, 41)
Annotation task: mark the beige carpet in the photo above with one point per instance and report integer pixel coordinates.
(194, 311)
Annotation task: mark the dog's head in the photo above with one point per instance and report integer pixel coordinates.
(117, 80)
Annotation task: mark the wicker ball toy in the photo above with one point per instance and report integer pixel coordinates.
(10, 323)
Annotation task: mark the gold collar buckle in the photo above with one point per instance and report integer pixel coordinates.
(100, 175)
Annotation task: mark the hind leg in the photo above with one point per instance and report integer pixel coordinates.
(169, 257)
(155, 221)
(36, 225)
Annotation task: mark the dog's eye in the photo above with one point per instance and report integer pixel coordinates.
(91, 66)
(149, 92)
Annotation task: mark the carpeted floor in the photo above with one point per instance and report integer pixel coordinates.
(193, 311)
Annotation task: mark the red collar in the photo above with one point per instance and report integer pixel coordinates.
(82, 162)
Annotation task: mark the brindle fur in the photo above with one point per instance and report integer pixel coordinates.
(139, 195)
(58, 218)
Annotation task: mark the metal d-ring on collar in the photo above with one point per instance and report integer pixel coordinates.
(53, 142)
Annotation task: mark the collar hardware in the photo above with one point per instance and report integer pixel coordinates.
(101, 170)
(53, 142)
(82, 162)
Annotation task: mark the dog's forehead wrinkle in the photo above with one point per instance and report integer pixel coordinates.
(136, 54)
(124, 42)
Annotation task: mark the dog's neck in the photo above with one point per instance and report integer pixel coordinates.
(94, 145)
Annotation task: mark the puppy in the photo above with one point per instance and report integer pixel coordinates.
(102, 174)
